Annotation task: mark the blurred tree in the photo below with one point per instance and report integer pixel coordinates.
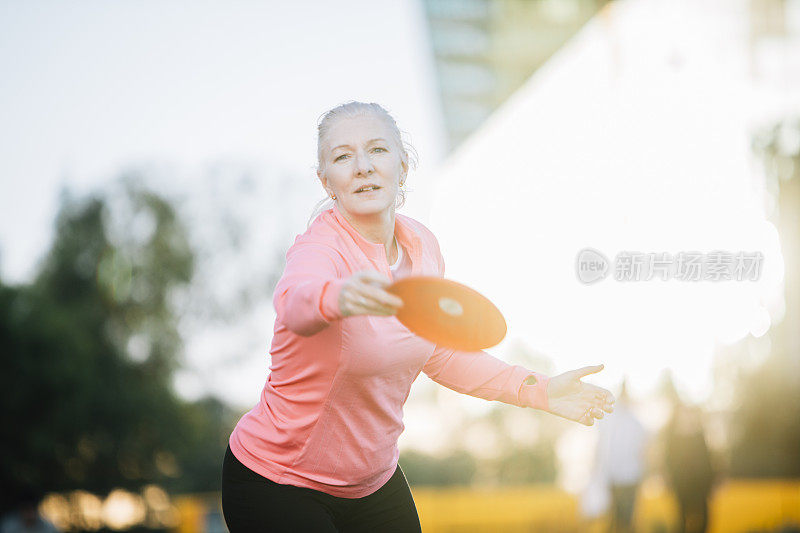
(514, 463)
(456, 468)
(523, 449)
(766, 432)
(528, 464)
(122, 275)
(196, 465)
(504, 445)
(766, 424)
(89, 350)
(526, 451)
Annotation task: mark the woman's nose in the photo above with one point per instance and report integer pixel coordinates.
(363, 164)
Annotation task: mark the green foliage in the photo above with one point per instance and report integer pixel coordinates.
(766, 437)
(766, 424)
(523, 443)
(81, 407)
(456, 468)
(519, 465)
(528, 464)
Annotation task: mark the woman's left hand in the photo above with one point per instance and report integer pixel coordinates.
(570, 398)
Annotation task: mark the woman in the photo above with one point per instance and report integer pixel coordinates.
(319, 450)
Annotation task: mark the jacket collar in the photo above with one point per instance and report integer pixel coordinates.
(376, 252)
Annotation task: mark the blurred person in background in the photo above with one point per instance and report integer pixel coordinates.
(319, 450)
(620, 460)
(688, 465)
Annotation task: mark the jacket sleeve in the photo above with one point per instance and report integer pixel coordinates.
(306, 298)
(482, 375)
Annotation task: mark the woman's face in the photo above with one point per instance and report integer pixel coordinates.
(362, 165)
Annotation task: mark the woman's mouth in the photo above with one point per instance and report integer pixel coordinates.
(367, 188)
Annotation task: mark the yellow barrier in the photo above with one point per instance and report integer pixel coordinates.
(737, 506)
(191, 509)
(756, 505)
(504, 509)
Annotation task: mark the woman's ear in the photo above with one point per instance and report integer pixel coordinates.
(323, 180)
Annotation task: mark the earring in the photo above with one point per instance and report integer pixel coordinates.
(333, 197)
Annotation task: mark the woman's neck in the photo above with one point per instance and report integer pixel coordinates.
(377, 228)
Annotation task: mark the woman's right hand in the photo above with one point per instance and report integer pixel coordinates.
(363, 294)
(571, 398)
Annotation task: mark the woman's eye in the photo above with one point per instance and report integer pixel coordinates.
(340, 157)
(379, 148)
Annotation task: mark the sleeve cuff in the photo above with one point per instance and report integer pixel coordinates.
(535, 396)
(329, 303)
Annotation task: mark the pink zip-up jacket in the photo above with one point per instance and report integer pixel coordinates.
(331, 411)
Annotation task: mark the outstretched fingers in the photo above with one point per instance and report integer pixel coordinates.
(587, 370)
(601, 397)
(590, 415)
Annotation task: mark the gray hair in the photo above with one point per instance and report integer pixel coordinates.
(355, 109)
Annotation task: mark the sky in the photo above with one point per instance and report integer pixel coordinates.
(90, 88)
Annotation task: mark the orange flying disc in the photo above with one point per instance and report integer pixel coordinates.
(448, 313)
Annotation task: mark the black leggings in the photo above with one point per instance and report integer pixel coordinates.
(253, 503)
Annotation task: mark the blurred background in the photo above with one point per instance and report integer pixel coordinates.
(157, 159)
